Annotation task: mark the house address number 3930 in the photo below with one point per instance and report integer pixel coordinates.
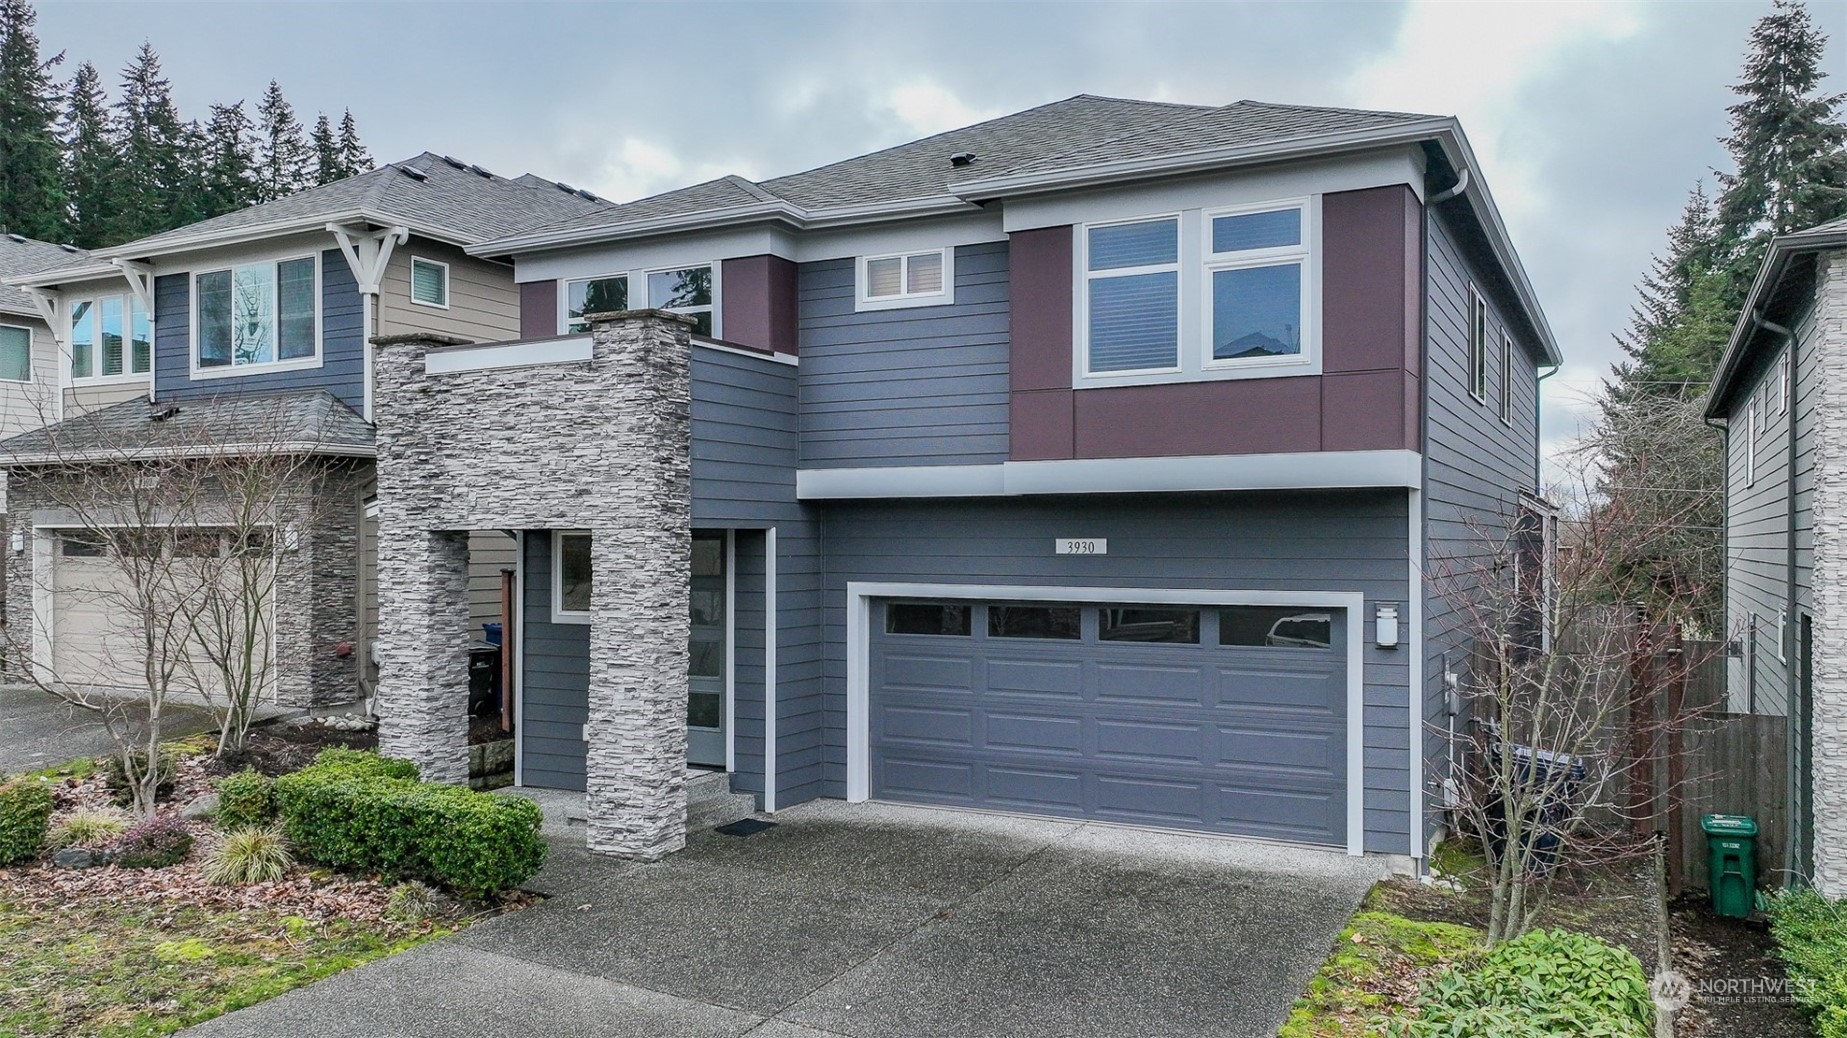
(1080, 546)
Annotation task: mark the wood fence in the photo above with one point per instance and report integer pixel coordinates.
(1735, 764)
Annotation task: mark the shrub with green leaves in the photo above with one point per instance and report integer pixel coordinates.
(25, 814)
(115, 774)
(1543, 983)
(153, 843)
(259, 854)
(367, 816)
(86, 827)
(1811, 939)
(246, 800)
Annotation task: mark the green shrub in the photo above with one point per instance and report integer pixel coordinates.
(246, 800)
(252, 855)
(153, 843)
(115, 776)
(1811, 939)
(1544, 983)
(472, 843)
(87, 828)
(362, 764)
(25, 813)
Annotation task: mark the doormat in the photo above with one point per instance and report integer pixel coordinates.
(747, 827)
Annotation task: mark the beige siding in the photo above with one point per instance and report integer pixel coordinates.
(483, 300)
(489, 552)
(26, 406)
(79, 399)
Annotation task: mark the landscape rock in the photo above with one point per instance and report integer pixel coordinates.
(76, 858)
(200, 808)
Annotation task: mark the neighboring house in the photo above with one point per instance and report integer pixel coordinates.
(30, 372)
(1083, 462)
(1781, 393)
(254, 329)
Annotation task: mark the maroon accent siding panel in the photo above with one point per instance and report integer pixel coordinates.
(1369, 269)
(1041, 425)
(1039, 275)
(1249, 416)
(758, 295)
(538, 309)
(1368, 411)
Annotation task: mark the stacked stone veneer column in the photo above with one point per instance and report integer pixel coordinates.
(1829, 771)
(603, 445)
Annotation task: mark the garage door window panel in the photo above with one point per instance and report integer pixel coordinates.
(1054, 622)
(936, 619)
(1275, 627)
(1149, 625)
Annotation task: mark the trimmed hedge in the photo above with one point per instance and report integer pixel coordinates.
(1811, 939)
(363, 813)
(246, 800)
(1541, 984)
(25, 817)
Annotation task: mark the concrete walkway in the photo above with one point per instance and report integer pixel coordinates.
(38, 730)
(869, 921)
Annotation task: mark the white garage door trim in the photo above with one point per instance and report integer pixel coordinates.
(859, 646)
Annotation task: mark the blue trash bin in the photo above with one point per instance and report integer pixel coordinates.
(493, 632)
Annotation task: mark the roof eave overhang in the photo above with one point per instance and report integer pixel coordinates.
(26, 459)
(62, 275)
(1770, 274)
(279, 228)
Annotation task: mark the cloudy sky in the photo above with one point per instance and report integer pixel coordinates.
(1592, 120)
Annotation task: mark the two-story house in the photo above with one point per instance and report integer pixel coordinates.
(1087, 461)
(253, 330)
(1781, 396)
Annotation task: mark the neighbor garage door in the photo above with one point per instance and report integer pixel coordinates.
(1228, 720)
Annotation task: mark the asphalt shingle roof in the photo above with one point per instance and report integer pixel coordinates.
(313, 417)
(465, 200)
(20, 256)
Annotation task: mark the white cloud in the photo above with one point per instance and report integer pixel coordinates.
(923, 108)
(635, 167)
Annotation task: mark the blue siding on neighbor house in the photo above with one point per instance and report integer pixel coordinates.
(1335, 541)
(343, 352)
(914, 386)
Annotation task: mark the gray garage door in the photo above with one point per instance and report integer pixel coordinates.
(1227, 720)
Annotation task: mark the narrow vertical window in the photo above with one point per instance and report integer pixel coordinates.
(1478, 346)
(83, 339)
(1750, 443)
(1507, 378)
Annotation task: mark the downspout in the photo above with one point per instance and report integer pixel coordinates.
(1792, 858)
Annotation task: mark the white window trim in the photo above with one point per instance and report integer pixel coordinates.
(712, 308)
(414, 260)
(237, 370)
(1195, 263)
(944, 296)
(561, 615)
(126, 378)
(638, 282)
(1750, 443)
(1507, 378)
(1477, 358)
(31, 358)
(564, 297)
(1782, 636)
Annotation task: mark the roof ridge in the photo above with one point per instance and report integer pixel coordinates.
(1191, 112)
(1335, 108)
(752, 187)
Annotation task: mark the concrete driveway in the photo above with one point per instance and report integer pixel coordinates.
(870, 921)
(41, 730)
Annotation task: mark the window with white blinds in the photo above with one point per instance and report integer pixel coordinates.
(429, 282)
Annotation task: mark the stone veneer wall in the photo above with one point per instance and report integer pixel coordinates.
(1829, 770)
(603, 445)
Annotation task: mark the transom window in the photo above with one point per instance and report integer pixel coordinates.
(15, 353)
(429, 282)
(257, 313)
(907, 279)
(111, 336)
(1214, 293)
(593, 296)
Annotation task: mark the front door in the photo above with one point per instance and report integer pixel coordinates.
(705, 699)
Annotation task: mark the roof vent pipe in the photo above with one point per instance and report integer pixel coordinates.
(1461, 185)
(962, 158)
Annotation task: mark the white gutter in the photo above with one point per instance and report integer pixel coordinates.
(117, 456)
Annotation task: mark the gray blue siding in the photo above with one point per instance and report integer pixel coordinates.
(555, 698)
(914, 386)
(342, 369)
(1345, 541)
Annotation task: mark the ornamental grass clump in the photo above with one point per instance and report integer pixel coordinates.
(87, 828)
(252, 855)
(153, 843)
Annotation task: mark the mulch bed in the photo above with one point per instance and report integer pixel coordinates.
(1738, 953)
(277, 749)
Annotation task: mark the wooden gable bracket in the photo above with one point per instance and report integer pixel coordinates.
(140, 281)
(50, 305)
(367, 252)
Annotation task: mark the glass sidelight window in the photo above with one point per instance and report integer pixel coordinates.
(571, 577)
(706, 664)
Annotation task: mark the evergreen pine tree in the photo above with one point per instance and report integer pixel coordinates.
(327, 167)
(228, 159)
(353, 155)
(1665, 297)
(1787, 142)
(282, 152)
(153, 144)
(91, 162)
(32, 198)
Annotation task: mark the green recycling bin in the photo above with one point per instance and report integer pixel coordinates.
(1731, 848)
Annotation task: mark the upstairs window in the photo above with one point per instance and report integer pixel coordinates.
(1478, 346)
(1255, 260)
(257, 314)
(1133, 283)
(686, 291)
(429, 282)
(593, 296)
(906, 279)
(111, 336)
(1507, 379)
(15, 353)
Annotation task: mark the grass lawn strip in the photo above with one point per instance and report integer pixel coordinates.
(1375, 969)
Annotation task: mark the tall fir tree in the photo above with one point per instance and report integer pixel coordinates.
(228, 160)
(91, 162)
(154, 150)
(354, 158)
(1665, 297)
(1787, 142)
(327, 167)
(283, 155)
(32, 200)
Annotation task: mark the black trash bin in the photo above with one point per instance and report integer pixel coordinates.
(1561, 775)
(483, 679)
